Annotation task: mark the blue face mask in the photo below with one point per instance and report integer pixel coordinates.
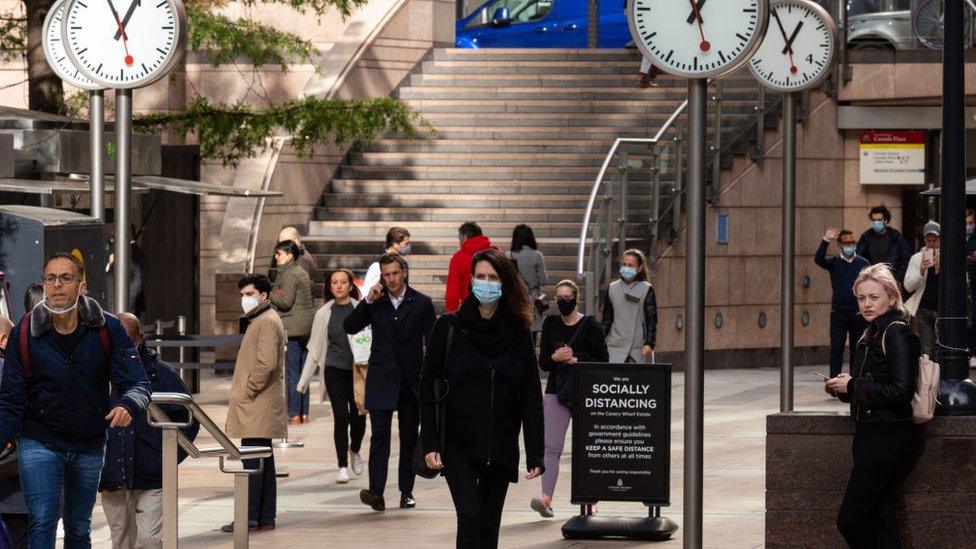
(628, 273)
(487, 291)
(878, 226)
(848, 251)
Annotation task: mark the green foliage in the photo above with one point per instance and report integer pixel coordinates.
(221, 39)
(233, 132)
(318, 7)
(13, 36)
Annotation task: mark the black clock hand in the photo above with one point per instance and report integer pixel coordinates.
(781, 29)
(789, 42)
(696, 13)
(128, 15)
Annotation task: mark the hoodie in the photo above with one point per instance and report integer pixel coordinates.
(459, 273)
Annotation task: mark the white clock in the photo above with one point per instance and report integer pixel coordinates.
(124, 43)
(54, 52)
(697, 38)
(799, 47)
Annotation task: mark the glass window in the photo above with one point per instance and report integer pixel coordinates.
(521, 11)
(861, 7)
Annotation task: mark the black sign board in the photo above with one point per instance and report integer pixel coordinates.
(622, 433)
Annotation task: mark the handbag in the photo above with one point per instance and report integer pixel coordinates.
(564, 385)
(439, 390)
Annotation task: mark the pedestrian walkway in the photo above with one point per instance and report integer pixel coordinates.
(313, 511)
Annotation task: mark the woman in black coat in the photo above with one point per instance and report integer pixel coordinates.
(884, 371)
(493, 392)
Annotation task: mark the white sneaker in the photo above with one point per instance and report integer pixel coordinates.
(357, 463)
(343, 476)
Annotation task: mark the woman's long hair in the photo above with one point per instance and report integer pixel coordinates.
(353, 291)
(523, 236)
(514, 299)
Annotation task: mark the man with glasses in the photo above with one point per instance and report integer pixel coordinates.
(60, 362)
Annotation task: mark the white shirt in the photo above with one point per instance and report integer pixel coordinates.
(396, 301)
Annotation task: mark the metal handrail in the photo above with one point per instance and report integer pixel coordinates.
(173, 437)
(581, 255)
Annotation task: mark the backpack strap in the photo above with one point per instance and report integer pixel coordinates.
(25, 358)
(885, 334)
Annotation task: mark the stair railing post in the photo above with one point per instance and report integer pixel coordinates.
(655, 204)
(607, 232)
(678, 185)
(622, 220)
(171, 475)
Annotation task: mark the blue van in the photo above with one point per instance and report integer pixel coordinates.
(541, 24)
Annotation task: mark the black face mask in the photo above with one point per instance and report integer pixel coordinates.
(566, 306)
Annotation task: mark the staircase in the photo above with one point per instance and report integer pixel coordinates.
(520, 137)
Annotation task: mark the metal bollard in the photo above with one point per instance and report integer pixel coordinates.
(159, 335)
(171, 487)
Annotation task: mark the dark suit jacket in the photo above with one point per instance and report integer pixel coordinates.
(397, 352)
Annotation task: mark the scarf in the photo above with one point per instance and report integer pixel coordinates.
(491, 336)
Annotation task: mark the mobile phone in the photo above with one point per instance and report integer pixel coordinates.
(821, 376)
(928, 254)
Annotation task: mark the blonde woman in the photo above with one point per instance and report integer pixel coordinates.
(330, 351)
(879, 389)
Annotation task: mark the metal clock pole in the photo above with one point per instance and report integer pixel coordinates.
(96, 135)
(695, 313)
(123, 174)
(789, 252)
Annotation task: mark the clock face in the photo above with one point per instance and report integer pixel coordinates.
(124, 43)
(799, 46)
(57, 58)
(697, 38)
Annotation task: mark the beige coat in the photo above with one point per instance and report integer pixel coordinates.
(257, 393)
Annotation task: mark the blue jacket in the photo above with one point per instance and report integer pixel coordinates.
(134, 454)
(63, 406)
(11, 497)
(397, 351)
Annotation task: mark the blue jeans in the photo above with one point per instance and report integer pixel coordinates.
(44, 474)
(295, 355)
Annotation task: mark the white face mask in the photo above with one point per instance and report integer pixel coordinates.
(249, 303)
(54, 311)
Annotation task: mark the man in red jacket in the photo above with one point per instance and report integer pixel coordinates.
(459, 273)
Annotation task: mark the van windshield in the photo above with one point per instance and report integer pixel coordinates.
(521, 11)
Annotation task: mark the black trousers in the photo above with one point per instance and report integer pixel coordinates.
(846, 328)
(381, 422)
(18, 529)
(478, 491)
(262, 489)
(884, 454)
(348, 422)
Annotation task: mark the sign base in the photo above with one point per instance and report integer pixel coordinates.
(644, 529)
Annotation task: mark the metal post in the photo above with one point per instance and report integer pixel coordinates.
(957, 392)
(695, 314)
(593, 24)
(608, 235)
(789, 251)
(240, 511)
(655, 218)
(123, 142)
(96, 136)
(159, 335)
(171, 477)
(678, 183)
(717, 140)
(760, 150)
(622, 221)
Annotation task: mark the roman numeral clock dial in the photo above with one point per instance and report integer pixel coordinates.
(124, 43)
(799, 46)
(697, 38)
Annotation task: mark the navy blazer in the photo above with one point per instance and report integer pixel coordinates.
(397, 351)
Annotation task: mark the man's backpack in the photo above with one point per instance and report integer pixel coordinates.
(25, 357)
(926, 386)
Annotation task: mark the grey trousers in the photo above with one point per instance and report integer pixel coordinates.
(926, 330)
(135, 518)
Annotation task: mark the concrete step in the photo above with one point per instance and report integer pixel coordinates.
(370, 246)
(462, 200)
(744, 101)
(327, 262)
(531, 80)
(455, 173)
(572, 120)
(403, 215)
(462, 188)
(524, 133)
(535, 54)
(627, 67)
(436, 233)
(481, 159)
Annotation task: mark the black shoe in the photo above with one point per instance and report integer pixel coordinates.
(251, 527)
(373, 500)
(407, 501)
